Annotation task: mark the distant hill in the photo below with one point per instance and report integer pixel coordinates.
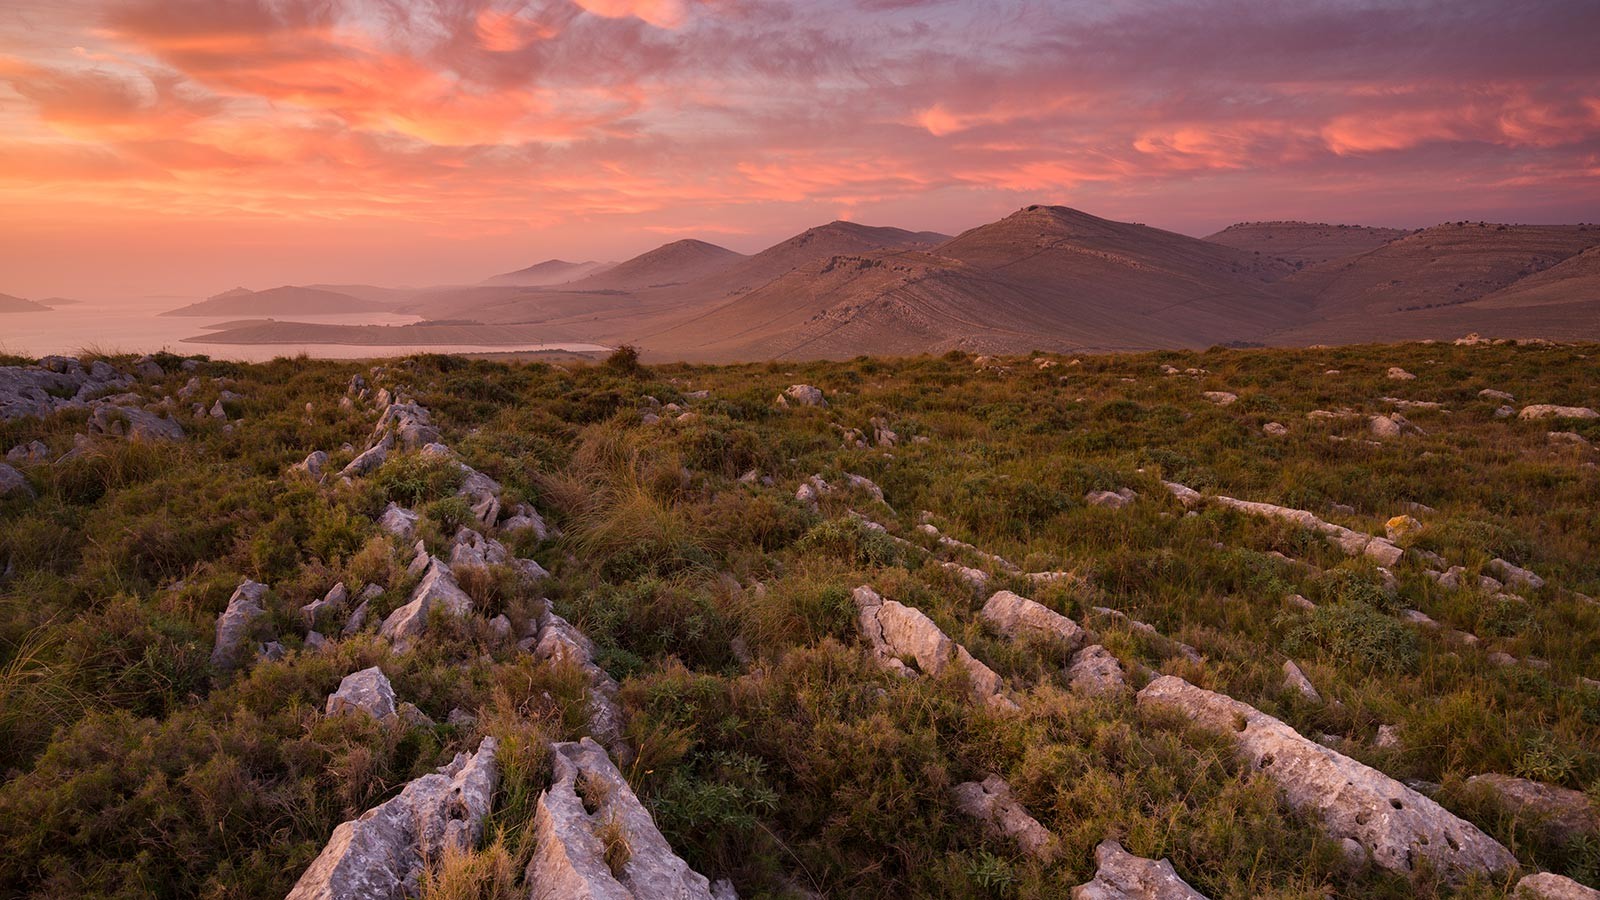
(10, 304)
(670, 264)
(288, 300)
(551, 271)
(1304, 243)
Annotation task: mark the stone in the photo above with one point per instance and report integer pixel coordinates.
(272, 651)
(369, 460)
(1097, 673)
(1492, 394)
(1122, 876)
(1221, 398)
(1017, 617)
(399, 521)
(1392, 425)
(470, 549)
(1504, 412)
(367, 691)
(1515, 576)
(1400, 528)
(1557, 812)
(1187, 496)
(233, 626)
(1275, 429)
(1388, 738)
(437, 588)
(1296, 680)
(802, 395)
(990, 802)
(588, 810)
(1397, 825)
(136, 425)
(977, 579)
(559, 642)
(1353, 543)
(384, 854)
(334, 600)
(1110, 499)
(1569, 437)
(1418, 617)
(1299, 601)
(525, 518)
(313, 464)
(895, 630)
(1550, 411)
(31, 452)
(13, 483)
(315, 640)
(1398, 374)
(1549, 886)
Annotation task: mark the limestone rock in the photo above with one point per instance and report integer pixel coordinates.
(802, 395)
(1296, 680)
(313, 464)
(399, 521)
(1096, 672)
(334, 600)
(1185, 495)
(136, 425)
(384, 854)
(1398, 374)
(1123, 876)
(1392, 425)
(1275, 429)
(1515, 576)
(1557, 811)
(369, 460)
(1401, 527)
(365, 691)
(31, 452)
(1110, 499)
(1549, 886)
(558, 641)
(1353, 543)
(1221, 398)
(990, 802)
(587, 807)
(1568, 437)
(233, 626)
(1397, 825)
(437, 588)
(525, 518)
(13, 482)
(1015, 617)
(895, 630)
(1550, 411)
(1388, 737)
(1492, 394)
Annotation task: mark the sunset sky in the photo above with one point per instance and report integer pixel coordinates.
(185, 146)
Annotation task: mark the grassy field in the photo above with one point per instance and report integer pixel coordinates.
(771, 748)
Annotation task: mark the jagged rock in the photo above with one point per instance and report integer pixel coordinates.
(470, 549)
(365, 691)
(1353, 543)
(335, 599)
(1401, 527)
(399, 521)
(587, 808)
(476, 486)
(895, 630)
(1549, 886)
(1515, 576)
(1185, 495)
(802, 395)
(526, 518)
(1096, 672)
(1397, 825)
(233, 626)
(559, 641)
(437, 588)
(31, 452)
(1398, 374)
(487, 510)
(1550, 411)
(271, 651)
(384, 854)
(358, 617)
(1221, 398)
(1275, 429)
(1123, 876)
(1392, 425)
(13, 482)
(990, 802)
(1110, 499)
(1296, 680)
(1557, 811)
(1015, 617)
(134, 424)
(369, 460)
(313, 464)
(315, 640)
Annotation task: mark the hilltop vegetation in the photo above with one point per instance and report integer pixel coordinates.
(769, 744)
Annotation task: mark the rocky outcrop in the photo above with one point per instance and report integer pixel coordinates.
(594, 840)
(57, 383)
(367, 691)
(1353, 543)
(1397, 826)
(1016, 617)
(1111, 499)
(136, 425)
(1550, 411)
(437, 588)
(1221, 398)
(13, 483)
(399, 521)
(1097, 673)
(1515, 576)
(369, 460)
(990, 802)
(802, 395)
(1296, 680)
(1556, 811)
(1548, 886)
(558, 641)
(31, 452)
(897, 631)
(233, 626)
(1123, 876)
(384, 854)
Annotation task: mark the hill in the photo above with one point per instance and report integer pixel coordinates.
(10, 304)
(551, 271)
(289, 300)
(665, 266)
(1304, 243)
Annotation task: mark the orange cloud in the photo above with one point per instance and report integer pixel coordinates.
(660, 13)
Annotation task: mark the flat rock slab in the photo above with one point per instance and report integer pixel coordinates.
(1123, 876)
(384, 854)
(1016, 617)
(896, 630)
(1557, 811)
(1396, 825)
(990, 802)
(1548, 886)
(588, 806)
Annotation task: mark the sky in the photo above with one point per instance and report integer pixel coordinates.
(181, 147)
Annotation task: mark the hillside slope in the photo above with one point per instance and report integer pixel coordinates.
(10, 304)
(551, 271)
(1304, 243)
(288, 300)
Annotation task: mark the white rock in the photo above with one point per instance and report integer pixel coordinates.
(895, 630)
(802, 395)
(1276, 429)
(1221, 398)
(366, 691)
(233, 626)
(1515, 576)
(1398, 374)
(1123, 876)
(1296, 680)
(1549, 886)
(1492, 394)
(1097, 673)
(437, 588)
(1550, 411)
(1110, 499)
(1016, 617)
(399, 521)
(990, 802)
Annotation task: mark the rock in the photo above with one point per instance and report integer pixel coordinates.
(1276, 429)
(1220, 398)
(1401, 527)
(1398, 374)
(882, 434)
(559, 642)
(1549, 886)
(1491, 394)
(13, 482)
(1391, 426)
(414, 717)
(31, 452)
(365, 691)
(487, 510)
(501, 626)
(589, 812)
(1123, 876)
(526, 518)
(1353, 543)
(334, 600)
(1097, 673)
(1549, 411)
(1016, 617)
(1504, 412)
(1300, 602)
(1417, 617)
(369, 460)
(313, 464)
(469, 549)
(1110, 499)
(1397, 825)
(977, 579)
(1388, 738)
(384, 854)
(1187, 496)
(1558, 812)
(1515, 576)
(315, 640)
(437, 588)
(802, 395)
(136, 425)
(895, 630)
(358, 617)
(990, 802)
(1296, 680)
(1568, 437)
(233, 626)
(460, 718)
(399, 521)
(271, 651)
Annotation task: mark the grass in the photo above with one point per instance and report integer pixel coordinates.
(770, 748)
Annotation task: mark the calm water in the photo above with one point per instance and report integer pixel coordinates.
(115, 328)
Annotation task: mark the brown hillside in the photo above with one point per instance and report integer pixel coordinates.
(551, 271)
(670, 264)
(1304, 243)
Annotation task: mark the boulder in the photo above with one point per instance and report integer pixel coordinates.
(1097, 673)
(990, 802)
(1388, 738)
(369, 460)
(1221, 398)
(1550, 411)
(470, 549)
(895, 630)
(1185, 495)
(1400, 528)
(802, 395)
(1558, 812)
(384, 854)
(1549, 886)
(233, 626)
(13, 482)
(558, 641)
(1392, 425)
(1110, 499)
(1396, 825)
(399, 521)
(31, 452)
(437, 588)
(136, 425)
(1015, 617)
(1123, 876)
(583, 819)
(1398, 374)
(365, 691)
(1296, 680)
(334, 600)
(1515, 576)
